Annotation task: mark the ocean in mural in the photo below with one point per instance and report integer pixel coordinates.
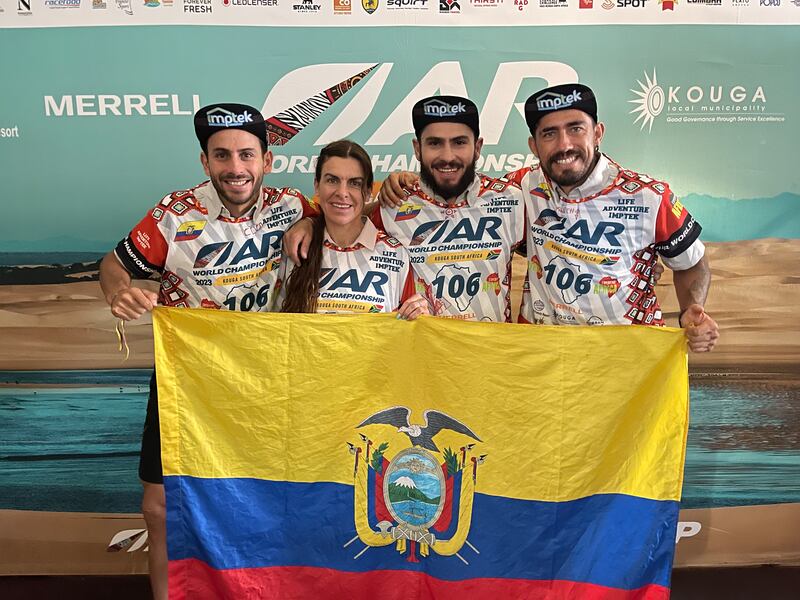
(69, 441)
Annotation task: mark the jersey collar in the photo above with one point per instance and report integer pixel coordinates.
(465, 199)
(209, 198)
(366, 239)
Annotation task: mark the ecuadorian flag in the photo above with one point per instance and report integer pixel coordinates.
(362, 457)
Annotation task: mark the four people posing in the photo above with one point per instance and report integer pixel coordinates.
(440, 244)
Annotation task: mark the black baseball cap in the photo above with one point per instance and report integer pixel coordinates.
(218, 117)
(448, 109)
(559, 97)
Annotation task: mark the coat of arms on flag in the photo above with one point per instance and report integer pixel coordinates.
(416, 497)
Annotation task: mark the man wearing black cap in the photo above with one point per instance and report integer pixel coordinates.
(596, 230)
(217, 245)
(460, 227)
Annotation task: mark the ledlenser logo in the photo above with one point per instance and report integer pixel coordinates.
(219, 117)
(553, 101)
(439, 108)
(586, 4)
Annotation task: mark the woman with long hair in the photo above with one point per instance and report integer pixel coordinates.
(351, 266)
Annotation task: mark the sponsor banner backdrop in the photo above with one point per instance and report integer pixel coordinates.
(389, 13)
(724, 128)
(96, 127)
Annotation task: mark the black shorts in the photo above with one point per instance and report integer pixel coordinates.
(150, 456)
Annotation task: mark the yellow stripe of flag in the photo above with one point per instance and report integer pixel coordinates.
(562, 412)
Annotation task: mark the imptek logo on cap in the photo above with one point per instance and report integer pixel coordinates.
(439, 108)
(552, 101)
(219, 117)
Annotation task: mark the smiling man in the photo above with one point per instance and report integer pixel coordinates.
(596, 230)
(216, 245)
(460, 227)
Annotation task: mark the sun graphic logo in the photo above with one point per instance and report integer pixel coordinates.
(650, 102)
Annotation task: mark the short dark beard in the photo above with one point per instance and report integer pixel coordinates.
(450, 192)
(575, 179)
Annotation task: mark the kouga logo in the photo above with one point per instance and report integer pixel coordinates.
(707, 102)
(405, 497)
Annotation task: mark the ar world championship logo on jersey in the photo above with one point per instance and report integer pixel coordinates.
(417, 498)
(701, 103)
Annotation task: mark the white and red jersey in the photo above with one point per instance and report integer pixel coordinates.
(461, 252)
(591, 252)
(207, 258)
(372, 275)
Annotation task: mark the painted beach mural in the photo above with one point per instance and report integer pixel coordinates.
(72, 405)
